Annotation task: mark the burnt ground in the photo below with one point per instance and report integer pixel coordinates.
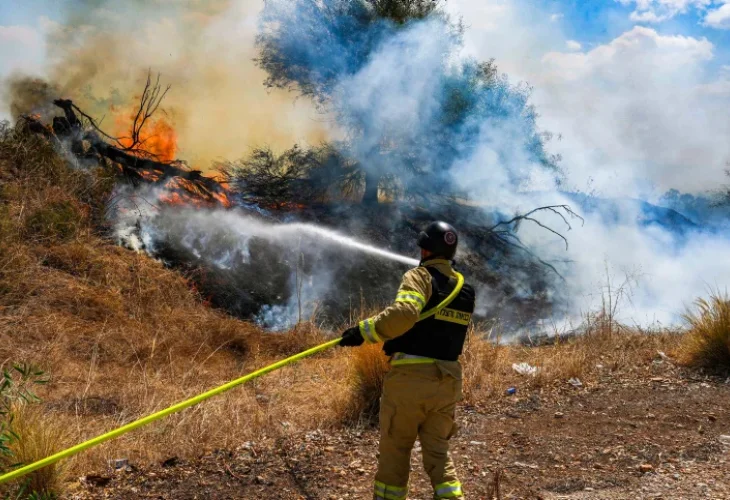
(658, 432)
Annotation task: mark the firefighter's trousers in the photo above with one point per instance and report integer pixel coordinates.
(418, 401)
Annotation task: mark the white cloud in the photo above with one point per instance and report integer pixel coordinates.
(573, 45)
(636, 111)
(719, 18)
(657, 11)
(556, 17)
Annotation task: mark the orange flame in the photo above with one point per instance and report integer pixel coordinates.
(157, 137)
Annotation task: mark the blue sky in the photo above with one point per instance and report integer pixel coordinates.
(594, 22)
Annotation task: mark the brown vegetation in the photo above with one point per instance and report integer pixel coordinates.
(707, 345)
(121, 336)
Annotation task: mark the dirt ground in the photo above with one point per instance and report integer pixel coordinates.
(656, 431)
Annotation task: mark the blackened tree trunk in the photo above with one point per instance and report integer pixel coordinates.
(372, 182)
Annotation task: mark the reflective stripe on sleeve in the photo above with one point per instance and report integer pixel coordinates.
(367, 330)
(388, 492)
(451, 489)
(413, 298)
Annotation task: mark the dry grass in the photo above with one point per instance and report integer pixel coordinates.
(121, 337)
(41, 436)
(368, 368)
(707, 345)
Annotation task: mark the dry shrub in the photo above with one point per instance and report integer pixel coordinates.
(564, 361)
(707, 344)
(75, 258)
(369, 365)
(40, 436)
(482, 359)
(59, 220)
(300, 338)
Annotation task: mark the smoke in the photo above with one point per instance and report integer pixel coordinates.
(408, 102)
(637, 116)
(277, 273)
(99, 55)
(30, 96)
(625, 125)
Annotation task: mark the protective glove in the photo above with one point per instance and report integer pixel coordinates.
(352, 337)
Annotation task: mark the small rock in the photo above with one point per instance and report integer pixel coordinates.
(644, 468)
(260, 480)
(724, 439)
(119, 463)
(559, 414)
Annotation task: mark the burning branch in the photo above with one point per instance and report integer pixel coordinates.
(152, 96)
(88, 140)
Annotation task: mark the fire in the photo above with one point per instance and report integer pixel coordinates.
(158, 136)
(185, 192)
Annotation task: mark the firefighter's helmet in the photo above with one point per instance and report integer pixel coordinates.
(439, 238)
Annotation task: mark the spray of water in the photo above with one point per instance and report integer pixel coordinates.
(314, 231)
(286, 235)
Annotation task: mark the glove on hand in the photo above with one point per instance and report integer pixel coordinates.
(352, 337)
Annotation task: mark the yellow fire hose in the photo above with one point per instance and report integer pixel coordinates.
(161, 414)
(199, 398)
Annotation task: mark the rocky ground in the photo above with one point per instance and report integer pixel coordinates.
(655, 431)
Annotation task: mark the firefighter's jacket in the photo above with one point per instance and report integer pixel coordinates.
(414, 295)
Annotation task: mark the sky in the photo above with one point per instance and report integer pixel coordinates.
(634, 91)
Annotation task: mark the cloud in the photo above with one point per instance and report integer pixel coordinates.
(636, 113)
(573, 45)
(556, 17)
(719, 18)
(657, 11)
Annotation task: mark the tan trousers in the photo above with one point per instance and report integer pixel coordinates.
(418, 400)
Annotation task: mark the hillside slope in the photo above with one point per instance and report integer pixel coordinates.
(121, 336)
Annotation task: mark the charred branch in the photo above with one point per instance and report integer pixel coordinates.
(90, 141)
(512, 225)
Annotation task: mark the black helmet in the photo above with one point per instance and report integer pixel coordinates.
(439, 238)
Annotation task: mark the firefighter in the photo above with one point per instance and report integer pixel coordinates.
(423, 333)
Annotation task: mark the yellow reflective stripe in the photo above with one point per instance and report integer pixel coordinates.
(388, 492)
(421, 361)
(412, 297)
(453, 316)
(451, 489)
(417, 303)
(367, 330)
(407, 294)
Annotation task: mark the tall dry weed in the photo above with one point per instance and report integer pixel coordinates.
(369, 364)
(39, 436)
(707, 344)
